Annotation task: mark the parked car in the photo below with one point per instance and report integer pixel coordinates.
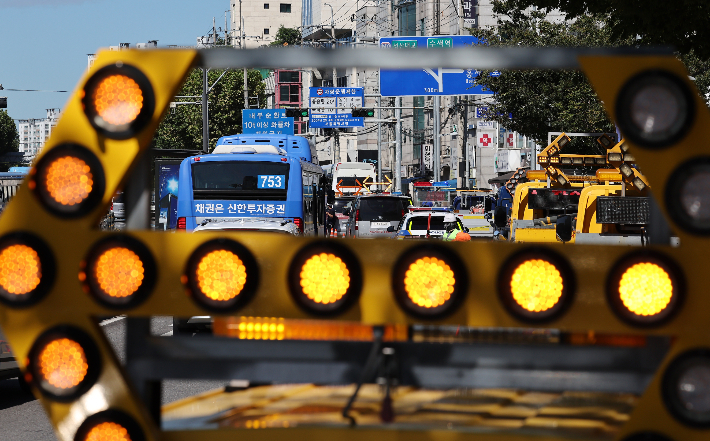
(118, 208)
(371, 215)
(340, 206)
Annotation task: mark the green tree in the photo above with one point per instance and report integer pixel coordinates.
(542, 101)
(182, 126)
(287, 37)
(9, 137)
(683, 24)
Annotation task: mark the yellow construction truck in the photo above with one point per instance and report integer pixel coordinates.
(564, 203)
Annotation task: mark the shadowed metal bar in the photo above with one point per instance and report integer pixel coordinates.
(478, 57)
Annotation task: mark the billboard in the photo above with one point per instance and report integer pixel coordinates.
(166, 191)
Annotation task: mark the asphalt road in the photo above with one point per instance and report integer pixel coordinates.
(22, 417)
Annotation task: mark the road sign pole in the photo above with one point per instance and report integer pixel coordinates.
(379, 139)
(205, 115)
(398, 146)
(437, 139)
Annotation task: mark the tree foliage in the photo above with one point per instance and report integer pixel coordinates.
(287, 37)
(683, 24)
(9, 137)
(182, 126)
(542, 101)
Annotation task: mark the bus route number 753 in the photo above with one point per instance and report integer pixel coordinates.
(271, 181)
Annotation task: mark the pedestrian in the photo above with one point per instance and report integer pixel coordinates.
(454, 234)
(331, 221)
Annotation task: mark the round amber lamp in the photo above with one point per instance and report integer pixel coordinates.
(62, 363)
(325, 278)
(108, 432)
(20, 269)
(429, 282)
(536, 285)
(645, 289)
(221, 275)
(119, 272)
(118, 99)
(69, 180)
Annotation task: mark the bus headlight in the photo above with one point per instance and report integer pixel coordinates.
(68, 180)
(119, 272)
(429, 282)
(221, 275)
(688, 195)
(109, 425)
(536, 285)
(655, 109)
(325, 278)
(686, 388)
(118, 101)
(645, 289)
(26, 269)
(64, 363)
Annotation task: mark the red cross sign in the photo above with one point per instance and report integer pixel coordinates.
(484, 140)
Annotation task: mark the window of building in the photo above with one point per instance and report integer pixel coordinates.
(288, 76)
(285, 7)
(419, 127)
(266, 6)
(266, 31)
(343, 81)
(421, 27)
(290, 93)
(408, 19)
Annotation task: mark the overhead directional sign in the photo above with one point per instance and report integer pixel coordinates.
(429, 81)
(332, 107)
(266, 122)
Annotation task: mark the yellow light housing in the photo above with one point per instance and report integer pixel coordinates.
(68, 180)
(64, 363)
(429, 282)
(536, 175)
(562, 180)
(325, 279)
(566, 160)
(685, 387)
(536, 285)
(605, 174)
(221, 275)
(639, 184)
(687, 197)
(110, 425)
(614, 157)
(563, 140)
(26, 269)
(119, 272)
(626, 170)
(118, 101)
(645, 289)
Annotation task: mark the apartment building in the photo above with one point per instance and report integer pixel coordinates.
(35, 132)
(256, 22)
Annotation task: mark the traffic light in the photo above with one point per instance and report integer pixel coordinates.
(296, 113)
(363, 113)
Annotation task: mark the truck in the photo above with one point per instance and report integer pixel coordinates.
(349, 177)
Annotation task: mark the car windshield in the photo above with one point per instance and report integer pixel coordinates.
(382, 209)
(421, 222)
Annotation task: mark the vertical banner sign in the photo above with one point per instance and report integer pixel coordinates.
(428, 156)
(510, 140)
(266, 122)
(332, 107)
(166, 193)
(470, 18)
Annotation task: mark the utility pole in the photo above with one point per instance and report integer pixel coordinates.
(398, 145)
(437, 138)
(205, 114)
(379, 139)
(465, 144)
(242, 43)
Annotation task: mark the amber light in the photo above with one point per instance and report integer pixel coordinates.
(108, 432)
(645, 289)
(221, 275)
(536, 285)
(68, 180)
(20, 269)
(119, 272)
(63, 363)
(118, 99)
(325, 278)
(109, 425)
(429, 282)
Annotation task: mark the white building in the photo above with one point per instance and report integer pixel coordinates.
(35, 132)
(262, 19)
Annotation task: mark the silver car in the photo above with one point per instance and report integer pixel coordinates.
(371, 215)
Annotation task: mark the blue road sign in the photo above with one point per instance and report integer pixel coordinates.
(430, 81)
(266, 122)
(332, 107)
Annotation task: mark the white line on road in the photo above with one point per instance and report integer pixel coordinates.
(112, 320)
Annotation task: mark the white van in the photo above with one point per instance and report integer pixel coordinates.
(349, 174)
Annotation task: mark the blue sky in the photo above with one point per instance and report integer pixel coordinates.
(44, 43)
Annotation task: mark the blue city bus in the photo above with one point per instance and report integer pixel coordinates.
(255, 178)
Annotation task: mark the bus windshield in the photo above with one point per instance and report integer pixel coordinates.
(244, 176)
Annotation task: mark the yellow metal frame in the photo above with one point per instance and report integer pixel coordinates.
(70, 241)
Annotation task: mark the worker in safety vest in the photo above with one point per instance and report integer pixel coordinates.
(454, 234)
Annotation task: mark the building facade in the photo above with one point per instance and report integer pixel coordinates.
(35, 132)
(256, 22)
